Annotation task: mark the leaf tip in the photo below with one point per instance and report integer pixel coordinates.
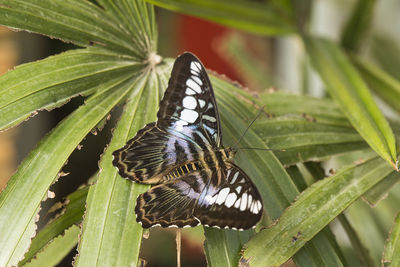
(396, 165)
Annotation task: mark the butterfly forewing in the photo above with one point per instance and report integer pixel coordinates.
(188, 121)
(182, 153)
(148, 156)
(189, 99)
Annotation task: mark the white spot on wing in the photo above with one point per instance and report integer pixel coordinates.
(191, 84)
(197, 80)
(190, 91)
(189, 102)
(209, 118)
(179, 125)
(195, 67)
(197, 64)
(249, 201)
(238, 189)
(189, 115)
(202, 103)
(230, 200)
(255, 209)
(237, 204)
(259, 205)
(234, 178)
(243, 203)
(222, 195)
(210, 130)
(210, 199)
(252, 207)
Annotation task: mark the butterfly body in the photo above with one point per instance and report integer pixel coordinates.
(196, 180)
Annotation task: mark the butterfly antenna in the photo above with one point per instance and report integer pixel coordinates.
(258, 148)
(248, 127)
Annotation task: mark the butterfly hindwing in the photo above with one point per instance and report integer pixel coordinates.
(195, 198)
(233, 203)
(172, 203)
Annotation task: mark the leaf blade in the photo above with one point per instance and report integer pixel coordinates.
(312, 211)
(392, 247)
(20, 200)
(351, 93)
(384, 85)
(73, 213)
(55, 251)
(51, 82)
(270, 18)
(79, 22)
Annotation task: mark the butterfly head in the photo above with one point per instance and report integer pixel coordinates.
(230, 152)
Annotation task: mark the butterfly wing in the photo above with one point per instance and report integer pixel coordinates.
(202, 197)
(233, 203)
(144, 156)
(189, 100)
(188, 121)
(171, 204)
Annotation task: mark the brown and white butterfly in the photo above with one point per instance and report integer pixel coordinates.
(196, 181)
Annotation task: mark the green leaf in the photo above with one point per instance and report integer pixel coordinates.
(373, 225)
(20, 200)
(74, 209)
(274, 184)
(265, 18)
(306, 128)
(351, 93)
(79, 22)
(138, 19)
(360, 250)
(314, 109)
(57, 249)
(303, 139)
(223, 246)
(358, 25)
(110, 234)
(384, 85)
(391, 253)
(381, 190)
(53, 81)
(312, 211)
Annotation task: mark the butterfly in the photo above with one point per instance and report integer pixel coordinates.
(196, 181)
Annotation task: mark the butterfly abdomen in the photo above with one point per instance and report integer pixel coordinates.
(182, 170)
